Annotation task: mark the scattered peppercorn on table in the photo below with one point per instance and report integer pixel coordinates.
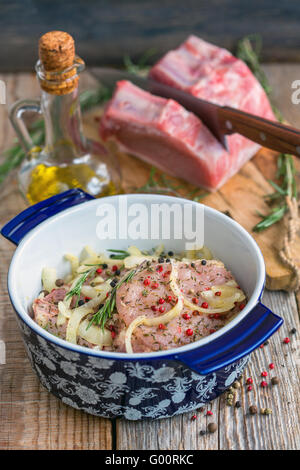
(261, 411)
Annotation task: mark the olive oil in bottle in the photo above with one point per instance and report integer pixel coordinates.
(68, 160)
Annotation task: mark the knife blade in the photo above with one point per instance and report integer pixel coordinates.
(220, 120)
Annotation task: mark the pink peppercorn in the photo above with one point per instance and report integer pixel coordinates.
(189, 332)
(186, 316)
(271, 366)
(286, 340)
(209, 413)
(162, 309)
(264, 374)
(249, 388)
(204, 305)
(250, 381)
(263, 384)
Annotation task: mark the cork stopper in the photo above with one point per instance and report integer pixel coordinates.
(57, 60)
(56, 50)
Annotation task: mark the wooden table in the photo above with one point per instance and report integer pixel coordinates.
(31, 418)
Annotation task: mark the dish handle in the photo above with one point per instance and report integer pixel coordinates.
(18, 227)
(238, 342)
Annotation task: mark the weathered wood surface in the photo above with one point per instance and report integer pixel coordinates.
(31, 418)
(105, 31)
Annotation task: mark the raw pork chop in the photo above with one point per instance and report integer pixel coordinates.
(134, 299)
(164, 134)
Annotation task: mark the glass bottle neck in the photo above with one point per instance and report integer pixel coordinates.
(65, 141)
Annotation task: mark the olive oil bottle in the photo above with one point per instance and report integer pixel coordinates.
(68, 160)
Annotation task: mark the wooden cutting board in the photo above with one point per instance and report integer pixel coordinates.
(242, 197)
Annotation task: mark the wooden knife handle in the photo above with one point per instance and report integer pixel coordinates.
(273, 135)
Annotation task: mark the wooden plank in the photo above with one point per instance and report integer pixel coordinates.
(105, 32)
(30, 417)
(44, 415)
(237, 429)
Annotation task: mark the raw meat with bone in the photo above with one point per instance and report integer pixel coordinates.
(164, 134)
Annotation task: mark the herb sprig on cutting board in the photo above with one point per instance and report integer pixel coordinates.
(249, 50)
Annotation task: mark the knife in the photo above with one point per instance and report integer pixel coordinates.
(220, 120)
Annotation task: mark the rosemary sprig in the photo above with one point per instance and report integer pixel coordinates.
(158, 184)
(15, 155)
(249, 51)
(141, 67)
(76, 291)
(119, 254)
(161, 184)
(106, 310)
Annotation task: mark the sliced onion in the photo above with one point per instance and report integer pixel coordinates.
(49, 277)
(94, 334)
(78, 314)
(134, 251)
(63, 313)
(218, 304)
(132, 261)
(162, 319)
(136, 322)
(74, 261)
(89, 291)
(229, 295)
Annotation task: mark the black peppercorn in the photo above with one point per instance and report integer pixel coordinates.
(81, 302)
(170, 253)
(238, 404)
(117, 272)
(203, 262)
(193, 265)
(45, 292)
(168, 260)
(104, 266)
(160, 260)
